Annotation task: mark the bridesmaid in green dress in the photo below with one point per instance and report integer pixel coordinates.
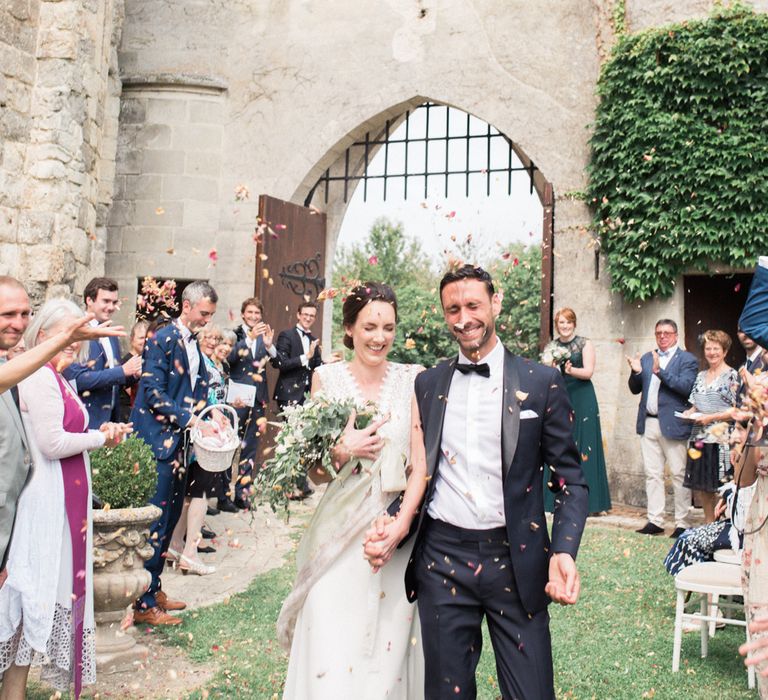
(577, 372)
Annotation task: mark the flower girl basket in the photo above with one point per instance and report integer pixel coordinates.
(213, 457)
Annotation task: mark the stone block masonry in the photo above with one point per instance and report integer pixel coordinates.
(58, 125)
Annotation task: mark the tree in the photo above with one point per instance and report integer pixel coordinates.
(518, 277)
(388, 255)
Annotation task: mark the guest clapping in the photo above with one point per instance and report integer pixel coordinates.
(46, 604)
(713, 397)
(98, 377)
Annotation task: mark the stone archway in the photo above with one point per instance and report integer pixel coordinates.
(352, 170)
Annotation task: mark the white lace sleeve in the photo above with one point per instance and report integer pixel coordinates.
(43, 410)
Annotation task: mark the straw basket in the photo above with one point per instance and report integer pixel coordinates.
(220, 458)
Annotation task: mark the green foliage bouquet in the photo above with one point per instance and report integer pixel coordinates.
(124, 476)
(304, 443)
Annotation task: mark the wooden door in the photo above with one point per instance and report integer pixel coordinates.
(547, 264)
(290, 268)
(714, 302)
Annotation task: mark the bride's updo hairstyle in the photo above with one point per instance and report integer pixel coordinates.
(358, 298)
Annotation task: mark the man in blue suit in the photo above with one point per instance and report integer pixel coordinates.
(100, 378)
(754, 317)
(247, 361)
(664, 377)
(172, 390)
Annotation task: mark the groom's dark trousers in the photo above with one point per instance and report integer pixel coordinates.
(460, 576)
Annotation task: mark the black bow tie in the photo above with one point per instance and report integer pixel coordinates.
(483, 370)
(306, 334)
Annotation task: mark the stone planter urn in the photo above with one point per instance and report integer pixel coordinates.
(120, 548)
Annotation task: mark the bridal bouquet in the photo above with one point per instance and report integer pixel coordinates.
(304, 442)
(555, 355)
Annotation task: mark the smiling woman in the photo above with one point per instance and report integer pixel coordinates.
(46, 604)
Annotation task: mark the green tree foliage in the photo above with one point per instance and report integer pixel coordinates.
(679, 169)
(518, 277)
(388, 255)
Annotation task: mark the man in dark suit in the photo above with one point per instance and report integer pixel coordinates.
(298, 354)
(754, 317)
(754, 362)
(247, 360)
(664, 377)
(491, 421)
(173, 388)
(98, 381)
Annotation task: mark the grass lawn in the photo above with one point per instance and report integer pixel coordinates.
(616, 643)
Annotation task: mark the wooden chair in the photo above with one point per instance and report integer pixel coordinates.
(715, 579)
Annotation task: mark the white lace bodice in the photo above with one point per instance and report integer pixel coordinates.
(337, 383)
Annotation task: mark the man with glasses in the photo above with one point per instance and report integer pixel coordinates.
(298, 354)
(664, 378)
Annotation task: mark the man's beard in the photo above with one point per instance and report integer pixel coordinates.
(475, 344)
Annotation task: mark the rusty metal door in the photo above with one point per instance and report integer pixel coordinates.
(547, 264)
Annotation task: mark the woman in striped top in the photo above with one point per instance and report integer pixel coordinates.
(713, 396)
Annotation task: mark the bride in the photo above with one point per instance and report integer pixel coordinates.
(352, 633)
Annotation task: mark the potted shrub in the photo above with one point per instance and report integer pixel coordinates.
(124, 478)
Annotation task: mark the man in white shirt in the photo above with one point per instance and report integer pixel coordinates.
(98, 380)
(247, 361)
(491, 422)
(664, 377)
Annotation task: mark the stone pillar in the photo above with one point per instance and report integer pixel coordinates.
(55, 159)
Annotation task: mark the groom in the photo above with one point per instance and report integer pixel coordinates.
(491, 422)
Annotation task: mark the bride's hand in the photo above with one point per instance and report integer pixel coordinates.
(379, 551)
(365, 443)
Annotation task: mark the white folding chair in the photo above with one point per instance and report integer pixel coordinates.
(715, 579)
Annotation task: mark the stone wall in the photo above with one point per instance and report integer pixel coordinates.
(218, 93)
(59, 91)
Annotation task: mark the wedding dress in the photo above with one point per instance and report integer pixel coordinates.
(353, 633)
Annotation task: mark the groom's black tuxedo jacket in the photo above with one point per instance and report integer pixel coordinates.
(543, 436)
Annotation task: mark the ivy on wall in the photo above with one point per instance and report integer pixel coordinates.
(679, 168)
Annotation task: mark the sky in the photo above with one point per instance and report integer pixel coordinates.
(493, 221)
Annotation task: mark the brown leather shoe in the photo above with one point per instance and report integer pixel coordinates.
(154, 616)
(165, 603)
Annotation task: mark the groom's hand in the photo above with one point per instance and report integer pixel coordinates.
(564, 582)
(381, 541)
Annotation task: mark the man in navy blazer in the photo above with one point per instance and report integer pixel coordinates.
(247, 361)
(491, 421)
(664, 378)
(754, 317)
(172, 390)
(98, 381)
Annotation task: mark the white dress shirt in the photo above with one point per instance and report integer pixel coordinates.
(652, 400)
(193, 356)
(469, 489)
(304, 344)
(107, 347)
(251, 343)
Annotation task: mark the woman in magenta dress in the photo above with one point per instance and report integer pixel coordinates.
(46, 604)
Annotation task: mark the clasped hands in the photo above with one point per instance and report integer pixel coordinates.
(382, 539)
